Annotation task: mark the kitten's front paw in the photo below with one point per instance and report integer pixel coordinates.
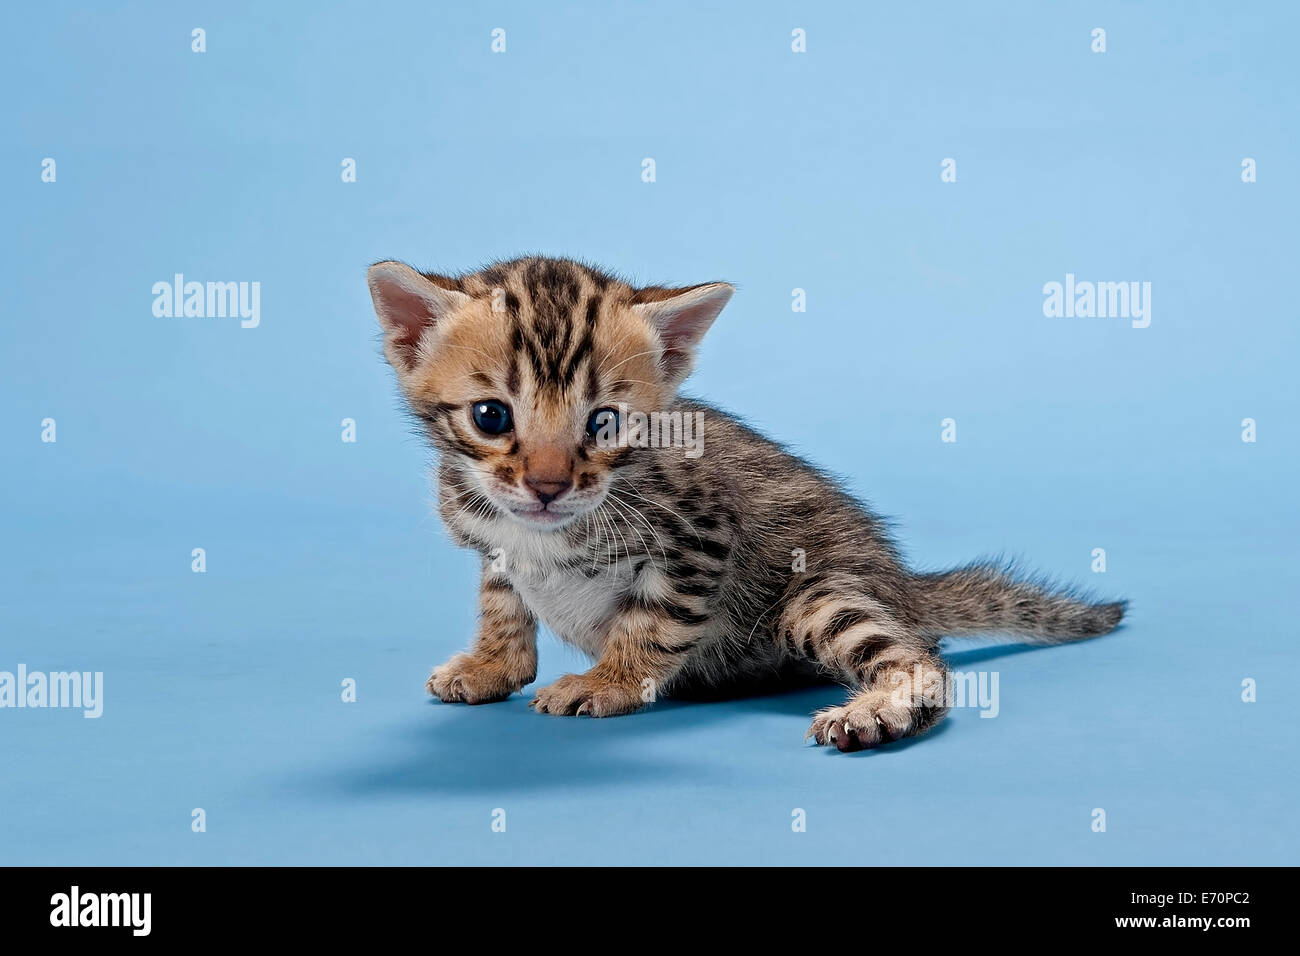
(576, 694)
(474, 680)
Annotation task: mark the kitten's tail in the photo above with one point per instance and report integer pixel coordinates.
(988, 597)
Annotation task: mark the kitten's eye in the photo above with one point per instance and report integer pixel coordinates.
(602, 418)
(492, 417)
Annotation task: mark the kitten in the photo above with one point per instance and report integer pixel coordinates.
(678, 574)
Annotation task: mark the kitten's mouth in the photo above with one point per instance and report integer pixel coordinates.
(541, 515)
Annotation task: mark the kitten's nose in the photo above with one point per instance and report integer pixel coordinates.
(547, 491)
(548, 471)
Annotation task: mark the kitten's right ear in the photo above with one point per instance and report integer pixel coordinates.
(408, 304)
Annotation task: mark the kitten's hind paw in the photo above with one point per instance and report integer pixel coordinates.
(834, 727)
(869, 720)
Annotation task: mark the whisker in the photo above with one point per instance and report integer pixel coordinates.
(689, 526)
(613, 492)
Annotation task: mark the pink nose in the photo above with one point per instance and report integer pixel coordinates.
(548, 471)
(547, 490)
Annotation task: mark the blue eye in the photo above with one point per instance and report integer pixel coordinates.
(603, 419)
(492, 417)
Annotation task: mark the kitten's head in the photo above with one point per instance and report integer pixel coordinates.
(517, 368)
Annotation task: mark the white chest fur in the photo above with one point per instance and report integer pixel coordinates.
(572, 605)
(567, 600)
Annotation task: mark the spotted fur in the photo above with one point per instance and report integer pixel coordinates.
(678, 575)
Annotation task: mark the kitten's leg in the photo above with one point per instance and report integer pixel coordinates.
(504, 656)
(900, 683)
(646, 646)
(906, 697)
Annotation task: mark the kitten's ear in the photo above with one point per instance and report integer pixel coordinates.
(408, 304)
(681, 317)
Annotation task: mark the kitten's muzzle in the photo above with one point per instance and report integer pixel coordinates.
(542, 515)
(548, 491)
(548, 471)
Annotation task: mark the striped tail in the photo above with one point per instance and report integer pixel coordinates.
(989, 598)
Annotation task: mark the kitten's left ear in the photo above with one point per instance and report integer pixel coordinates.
(409, 304)
(681, 317)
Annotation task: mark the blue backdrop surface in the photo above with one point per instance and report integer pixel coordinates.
(129, 158)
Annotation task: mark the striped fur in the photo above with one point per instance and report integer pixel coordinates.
(678, 575)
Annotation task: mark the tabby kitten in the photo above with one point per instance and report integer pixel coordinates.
(676, 571)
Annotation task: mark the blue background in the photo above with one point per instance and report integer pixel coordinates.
(775, 170)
